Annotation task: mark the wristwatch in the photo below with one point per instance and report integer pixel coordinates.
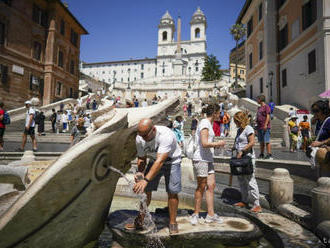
(147, 180)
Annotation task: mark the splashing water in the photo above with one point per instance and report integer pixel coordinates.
(153, 241)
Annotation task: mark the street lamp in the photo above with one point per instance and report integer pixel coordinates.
(189, 86)
(129, 76)
(270, 84)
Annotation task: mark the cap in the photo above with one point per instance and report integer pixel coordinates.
(294, 117)
(28, 102)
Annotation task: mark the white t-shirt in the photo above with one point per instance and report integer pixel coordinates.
(201, 153)
(64, 118)
(242, 140)
(144, 104)
(164, 142)
(29, 112)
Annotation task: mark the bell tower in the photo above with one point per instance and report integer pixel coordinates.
(198, 26)
(166, 29)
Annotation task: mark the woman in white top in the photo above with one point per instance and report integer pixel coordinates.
(244, 143)
(203, 164)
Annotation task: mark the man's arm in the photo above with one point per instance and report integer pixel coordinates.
(267, 121)
(30, 121)
(140, 186)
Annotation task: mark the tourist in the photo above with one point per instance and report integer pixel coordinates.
(263, 127)
(154, 100)
(29, 127)
(79, 102)
(145, 103)
(185, 107)
(291, 112)
(2, 125)
(244, 143)
(65, 121)
(271, 104)
(159, 143)
(41, 123)
(58, 122)
(189, 109)
(226, 123)
(87, 121)
(88, 102)
(217, 127)
(194, 123)
(293, 130)
(321, 112)
(61, 106)
(53, 118)
(203, 164)
(94, 105)
(178, 130)
(77, 131)
(305, 128)
(136, 102)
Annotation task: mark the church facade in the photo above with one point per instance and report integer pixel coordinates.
(160, 69)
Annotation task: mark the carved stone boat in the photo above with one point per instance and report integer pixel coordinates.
(67, 205)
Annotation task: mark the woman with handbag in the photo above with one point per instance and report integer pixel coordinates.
(244, 143)
(203, 164)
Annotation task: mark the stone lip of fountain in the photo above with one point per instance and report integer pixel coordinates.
(235, 230)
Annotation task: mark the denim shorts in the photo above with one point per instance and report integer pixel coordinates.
(226, 126)
(172, 174)
(264, 136)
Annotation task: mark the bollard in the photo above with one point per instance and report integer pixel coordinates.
(321, 201)
(280, 187)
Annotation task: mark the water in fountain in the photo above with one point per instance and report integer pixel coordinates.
(153, 241)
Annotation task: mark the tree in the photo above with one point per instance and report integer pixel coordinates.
(238, 32)
(211, 70)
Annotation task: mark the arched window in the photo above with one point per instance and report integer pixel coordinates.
(164, 35)
(197, 33)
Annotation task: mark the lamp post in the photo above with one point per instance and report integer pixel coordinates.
(270, 84)
(129, 77)
(189, 86)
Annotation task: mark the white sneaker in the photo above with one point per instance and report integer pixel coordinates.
(194, 219)
(215, 218)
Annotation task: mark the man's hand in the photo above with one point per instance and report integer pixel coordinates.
(316, 144)
(27, 128)
(220, 144)
(138, 176)
(265, 128)
(239, 154)
(140, 186)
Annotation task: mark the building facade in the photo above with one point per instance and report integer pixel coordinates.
(287, 49)
(39, 51)
(159, 69)
(237, 54)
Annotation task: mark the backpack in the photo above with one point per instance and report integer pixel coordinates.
(189, 147)
(36, 117)
(295, 130)
(6, 118)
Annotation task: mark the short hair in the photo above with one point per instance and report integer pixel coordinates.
(211, 109)
(323, 106)
(242, 118)
(1, 104)
(262, 98)
(53, 110)
(305, 117)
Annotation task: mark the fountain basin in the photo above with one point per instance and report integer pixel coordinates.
(235, 230)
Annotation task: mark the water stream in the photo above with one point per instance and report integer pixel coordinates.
(148, 223)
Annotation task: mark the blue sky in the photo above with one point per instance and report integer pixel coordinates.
(124, 29)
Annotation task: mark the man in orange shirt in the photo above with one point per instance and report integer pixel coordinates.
(304, 128)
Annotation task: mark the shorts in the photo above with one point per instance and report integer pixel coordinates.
(226, 125)
(203, 168)
(305, 133)
(172, 174)
(30, 131)
(264, 136)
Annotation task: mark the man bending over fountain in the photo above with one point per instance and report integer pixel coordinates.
(159, 144)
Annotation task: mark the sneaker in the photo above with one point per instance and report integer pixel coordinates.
(269, 156)
(240, 204)
(194, 219)
(261, 156)
(215, 218)
(256, 209)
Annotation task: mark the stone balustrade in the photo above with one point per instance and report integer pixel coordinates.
(280, 187)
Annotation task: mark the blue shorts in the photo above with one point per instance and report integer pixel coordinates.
(172, 173)
(264, 136)
(226, 126)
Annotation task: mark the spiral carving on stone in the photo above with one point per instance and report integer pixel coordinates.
(100, 169)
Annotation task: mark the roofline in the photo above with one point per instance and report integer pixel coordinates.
(73, 17)
(243, 11)
(120, 61)
(239, 46)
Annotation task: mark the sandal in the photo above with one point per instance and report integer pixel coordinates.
(173, 228)
(138, 223)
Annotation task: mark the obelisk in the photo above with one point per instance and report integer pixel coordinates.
(178, 63)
